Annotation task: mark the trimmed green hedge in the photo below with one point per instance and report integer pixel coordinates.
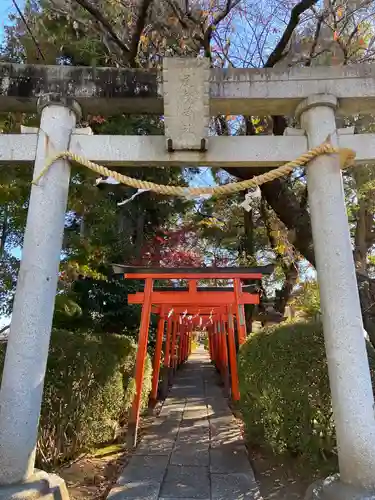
(285, 396)
(88, 392)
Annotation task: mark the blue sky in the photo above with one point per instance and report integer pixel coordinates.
(6, 8)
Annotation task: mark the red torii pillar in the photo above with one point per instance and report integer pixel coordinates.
(232, 357)
(133, 423)
(167, 358)
(240, 312)
(157, 359)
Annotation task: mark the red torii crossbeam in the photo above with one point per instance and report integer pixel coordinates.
(224, 303)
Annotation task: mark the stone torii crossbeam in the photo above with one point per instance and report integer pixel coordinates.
(187, 93)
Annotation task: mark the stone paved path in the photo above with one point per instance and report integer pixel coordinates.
(194, 449)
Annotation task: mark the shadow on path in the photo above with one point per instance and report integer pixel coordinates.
(193, 449)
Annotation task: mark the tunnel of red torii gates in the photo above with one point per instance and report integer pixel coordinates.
(182, 310)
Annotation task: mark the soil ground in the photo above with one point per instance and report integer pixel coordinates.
(91, 477)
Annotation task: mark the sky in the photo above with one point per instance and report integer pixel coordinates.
(6, 8)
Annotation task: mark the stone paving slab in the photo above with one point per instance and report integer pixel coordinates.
(145, 490)
(191, 454)
(182, 482)
(155, 447)
(229, 459)
(237, 486)
(144, 468)
(194, 449)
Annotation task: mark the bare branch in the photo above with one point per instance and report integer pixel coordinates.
(28, 29)
(4, 328)
(218, 17)
(95, 12)
(315, 41)
(179, 13)
(278, 52)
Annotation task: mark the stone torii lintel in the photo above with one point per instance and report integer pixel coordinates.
(151, 151)
(232, 91)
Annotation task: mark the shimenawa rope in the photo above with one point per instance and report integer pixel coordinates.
(346, 159)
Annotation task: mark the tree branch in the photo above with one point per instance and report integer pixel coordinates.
(278, 52)
(139, 27)
(20, 13)
(289, 269)
(315, 41)
(218, 17)
(95, 12)
(2, 330)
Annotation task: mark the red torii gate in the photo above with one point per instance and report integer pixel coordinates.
(220, 353)
(225, 302)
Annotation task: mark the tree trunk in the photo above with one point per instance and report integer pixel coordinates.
(248, 247)
(4, 230)
(283, 201)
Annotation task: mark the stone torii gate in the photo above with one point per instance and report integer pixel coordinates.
(187, 93)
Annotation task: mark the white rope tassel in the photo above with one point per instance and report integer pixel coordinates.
(250, 198)
(139, 191)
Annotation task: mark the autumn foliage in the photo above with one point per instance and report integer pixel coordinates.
(173, 248)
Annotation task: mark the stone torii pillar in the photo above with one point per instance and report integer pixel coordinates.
(27, 350)
(349, 374)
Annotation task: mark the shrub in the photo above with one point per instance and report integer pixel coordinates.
(205, 342)
(87, 394)
(285, 396)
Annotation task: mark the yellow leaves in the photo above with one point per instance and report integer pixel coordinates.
(258, 124)
(281, 248)
(143, 40)
(212, 222)
(340, 11)
(172, 21)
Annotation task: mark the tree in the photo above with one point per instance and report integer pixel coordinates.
(234, 33)
(99, 229)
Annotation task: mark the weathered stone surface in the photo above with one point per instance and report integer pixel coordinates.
(93, 88)
(29, 335)
(144, 468)
(196, 433)
(182, 482)
(229, 459)
(187, 117)
(167, 429)
(349, 374)
(185, 463)
(40, 486)
(135, 491)
(333, 489)
(155, 446)
(234, 487)
(191, 453)
(232, 91)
